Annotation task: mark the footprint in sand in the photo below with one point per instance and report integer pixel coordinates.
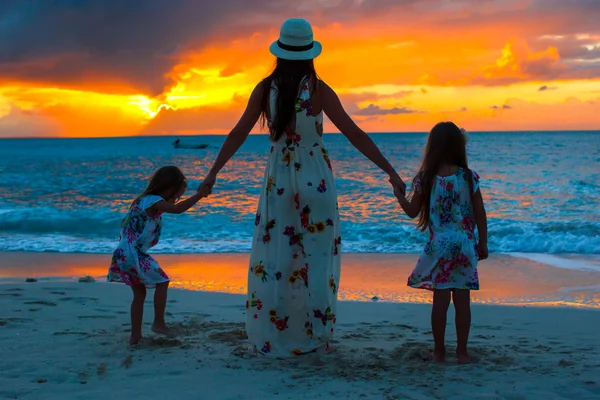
(160, 342)
(502, 360)
(42, 303)
(80, 300)
(396, 335)
(230, 337)
(51, 289)
(565, 363)
(412, 351)
(492, 328)
(355, 336)
(486, 337)
(5, 321)
(71, 333)
(11, 294)
(127, 362)
(102, 370)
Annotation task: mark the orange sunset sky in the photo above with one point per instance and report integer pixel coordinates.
(109, 68)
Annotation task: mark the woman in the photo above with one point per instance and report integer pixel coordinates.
(295, 261)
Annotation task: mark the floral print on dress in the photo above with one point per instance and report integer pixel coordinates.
(295, 261)
(131, 263)
(449, 259)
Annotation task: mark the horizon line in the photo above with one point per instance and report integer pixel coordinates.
(266, 134)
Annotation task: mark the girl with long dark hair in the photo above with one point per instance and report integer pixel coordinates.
(447, 199)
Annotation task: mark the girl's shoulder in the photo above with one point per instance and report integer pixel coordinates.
(471, 178)
(468, 173)
(419, 180)
(147, 201)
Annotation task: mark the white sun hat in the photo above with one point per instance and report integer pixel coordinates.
(296, 41)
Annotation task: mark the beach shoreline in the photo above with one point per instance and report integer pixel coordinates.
(505, 279)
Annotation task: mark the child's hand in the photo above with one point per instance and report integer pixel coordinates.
(482, 251)
(209, 181)
(398, 191)
(205, 190)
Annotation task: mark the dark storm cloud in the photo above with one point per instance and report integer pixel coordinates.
(132, 42)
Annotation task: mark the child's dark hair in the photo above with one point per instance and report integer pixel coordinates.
(446, 146)
(165, 182)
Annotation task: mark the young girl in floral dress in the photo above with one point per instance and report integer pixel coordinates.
(140, 231)
(448, 201)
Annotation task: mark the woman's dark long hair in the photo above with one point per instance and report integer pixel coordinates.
(446, 146)
(165, 182)
(287, 75)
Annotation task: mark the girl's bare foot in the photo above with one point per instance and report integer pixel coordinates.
(439, 354)
(133, 340)
(162, 330)
(463, 357)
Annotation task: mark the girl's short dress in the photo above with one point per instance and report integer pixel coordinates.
(131, 262)
(449, 260)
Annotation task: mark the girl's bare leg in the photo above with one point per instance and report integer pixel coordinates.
(441, 302)
(462, 305)
(160, 304)
(137, 312)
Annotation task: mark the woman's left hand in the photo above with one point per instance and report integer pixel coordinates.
(397, 182)
(398, 191)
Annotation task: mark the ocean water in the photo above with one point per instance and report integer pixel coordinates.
(542, 192)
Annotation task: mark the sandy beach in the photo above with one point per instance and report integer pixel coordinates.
(68, 340)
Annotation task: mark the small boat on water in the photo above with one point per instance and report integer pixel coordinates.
(177, 144)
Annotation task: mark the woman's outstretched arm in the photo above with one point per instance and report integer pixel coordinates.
(238, 134)
(357, 137)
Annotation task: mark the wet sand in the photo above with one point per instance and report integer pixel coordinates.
(504, 279)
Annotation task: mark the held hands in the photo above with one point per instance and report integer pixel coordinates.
(398, 184)
(206, 186)
(204, 190)
(399, 192)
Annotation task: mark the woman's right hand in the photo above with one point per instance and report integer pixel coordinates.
(208, 182)
(204, 191)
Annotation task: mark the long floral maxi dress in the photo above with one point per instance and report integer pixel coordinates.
(449, 260)
(295, 262)
(131, 262)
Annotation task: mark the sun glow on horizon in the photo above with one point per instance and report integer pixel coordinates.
(390, 77)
